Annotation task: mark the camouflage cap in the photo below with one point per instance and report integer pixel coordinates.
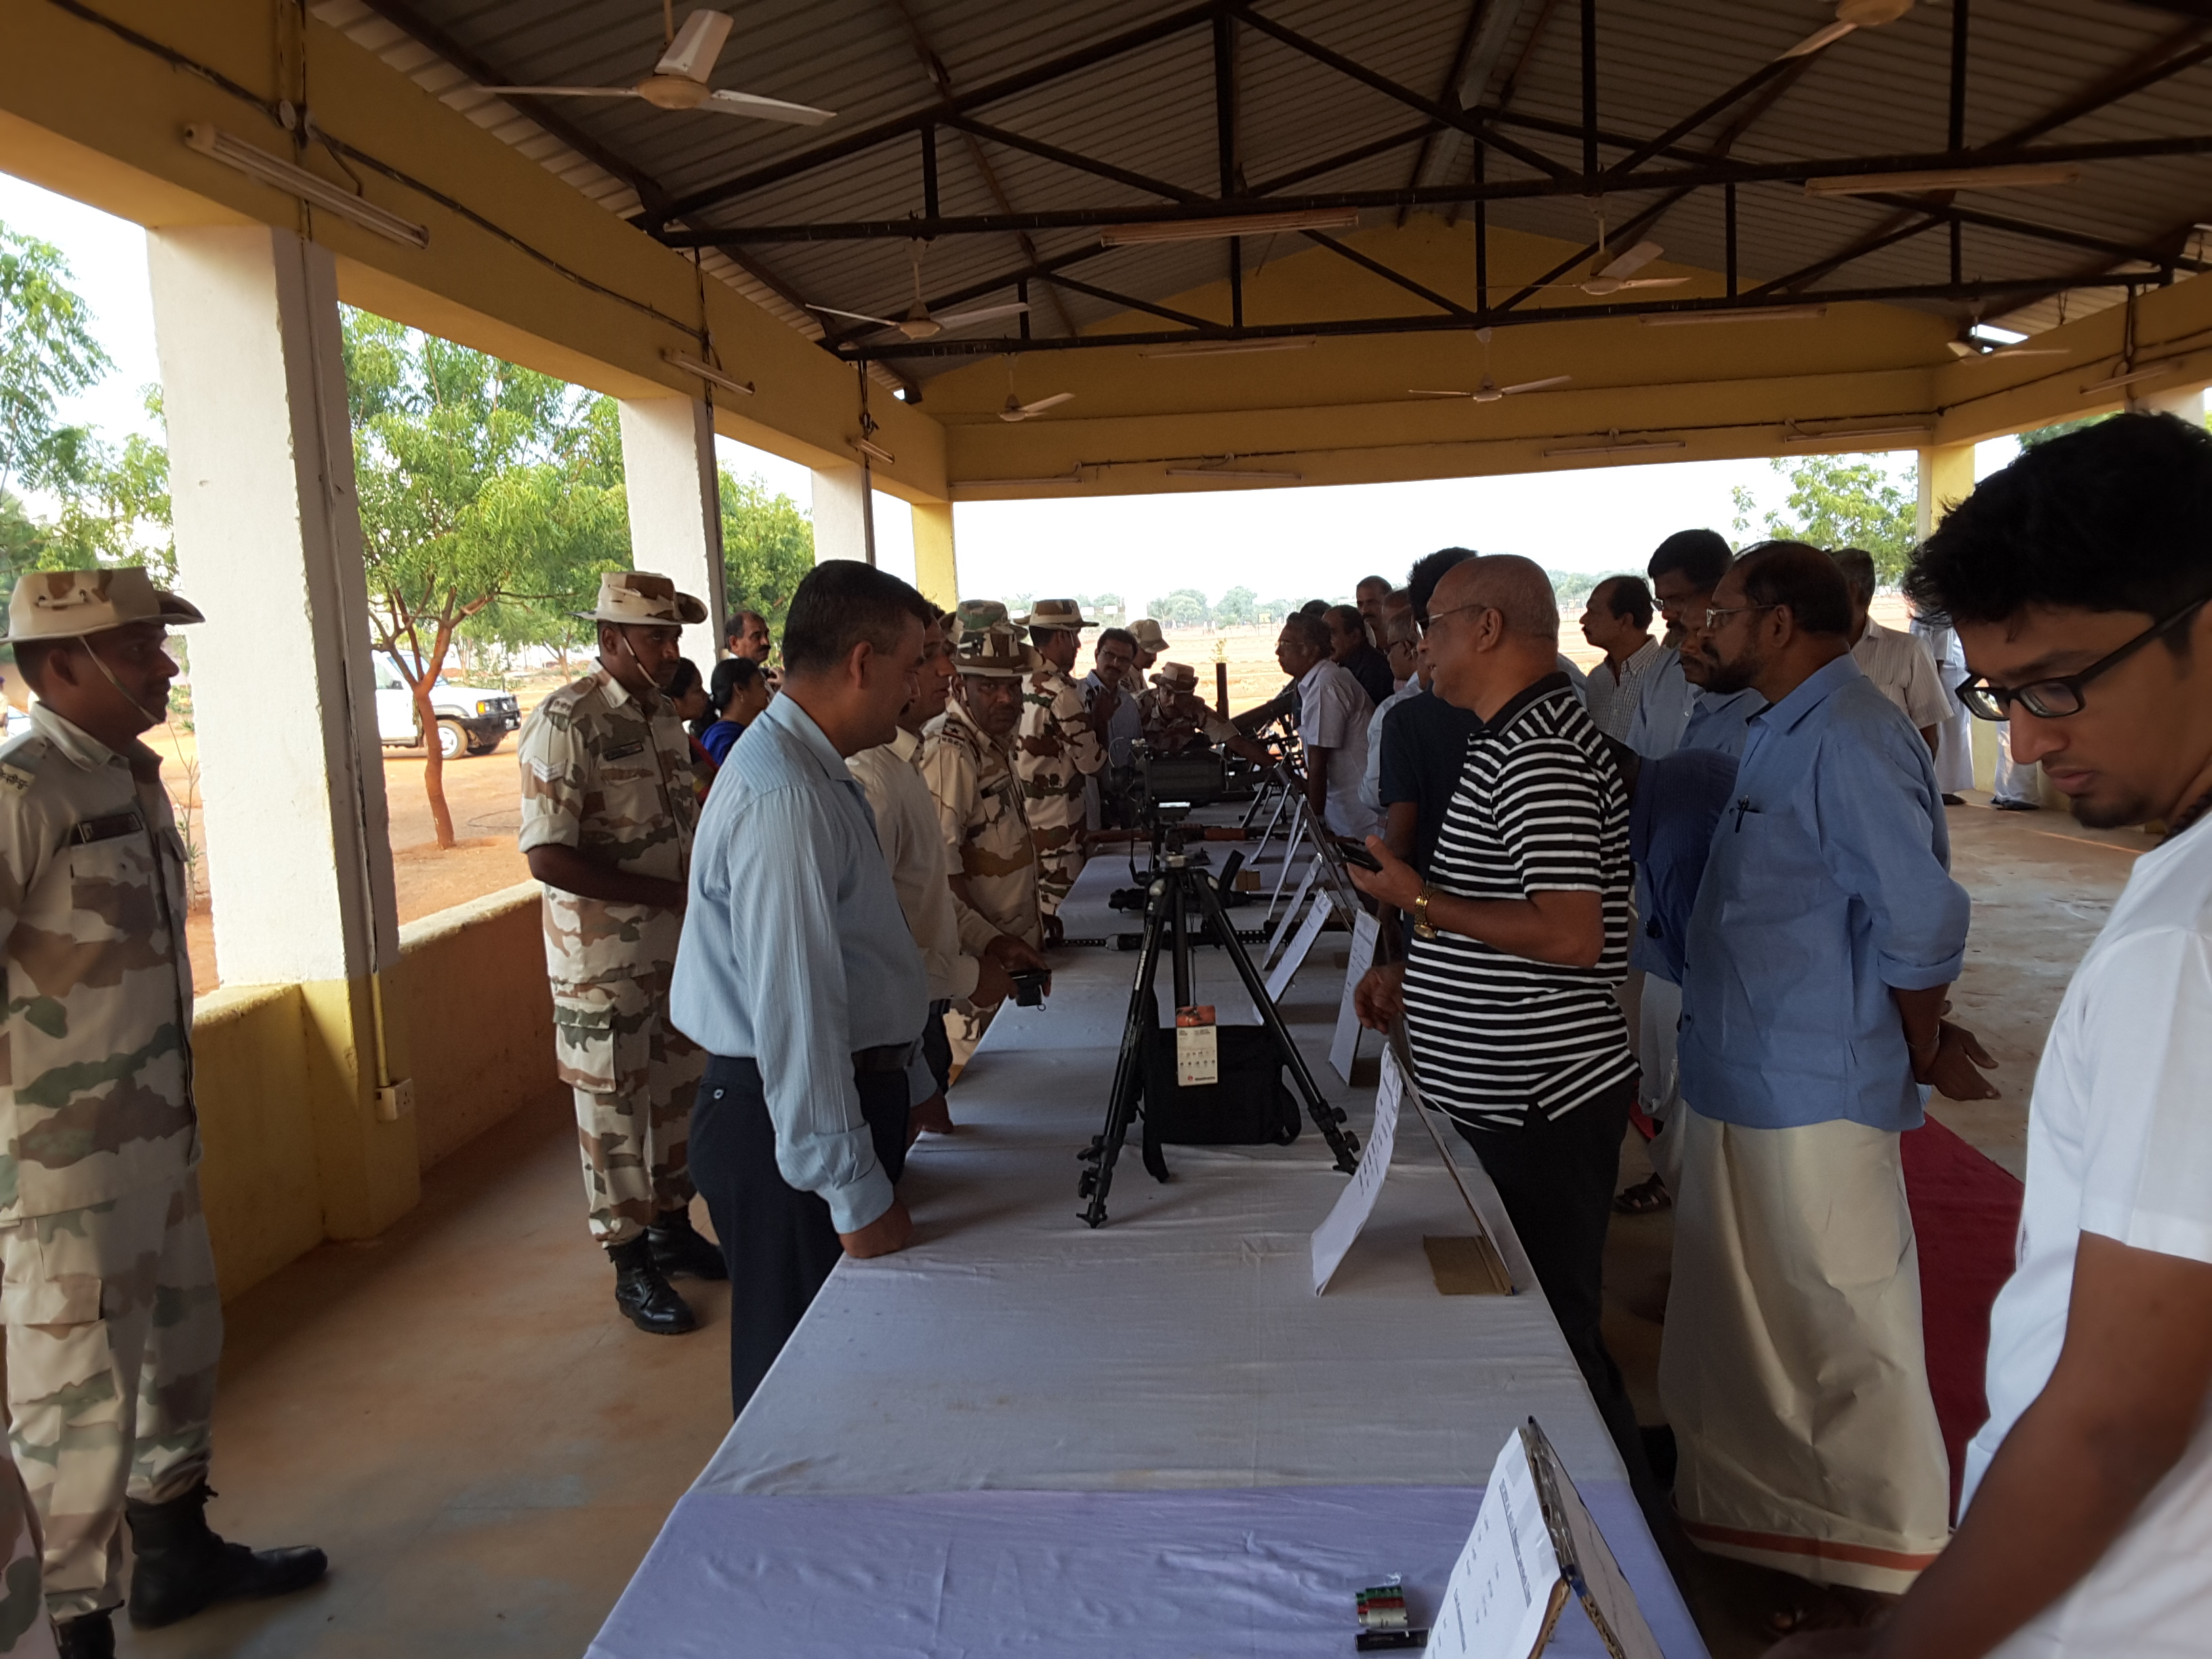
(1063, 614)
(997, 653)
(1176, 677)
(640, 597)
(1146, 633)
(976, 615)
(67, 604)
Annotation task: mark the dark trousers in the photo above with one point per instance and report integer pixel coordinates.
(779, 1242)
(937, 1046)
(1557, 1176)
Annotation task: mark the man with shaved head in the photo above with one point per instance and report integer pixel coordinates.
(1826, 932)
(1520, 933)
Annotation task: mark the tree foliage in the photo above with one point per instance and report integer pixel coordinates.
(1839, 501)
(46, 353)
(491, 497)
(1184, 608)
(1239, 608)
(768, 548)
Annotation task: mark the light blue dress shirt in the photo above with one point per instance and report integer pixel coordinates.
(1371, 785)
(1828, 885)
(1125, 726)
(795, 953)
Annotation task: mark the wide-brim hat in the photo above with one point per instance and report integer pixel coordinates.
(1176, 677)
(1147, 634)
(639, 597)
(1065, 615)
(68, 604)
(996, 652)
(974, 616)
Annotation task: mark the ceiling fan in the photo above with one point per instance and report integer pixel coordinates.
(918, 323)
(1015, 409)
(1489, 392)
(1850, 16)
(678, 80)
(1973, 348)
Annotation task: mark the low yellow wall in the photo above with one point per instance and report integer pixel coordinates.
(471, 1013)
(471, 996)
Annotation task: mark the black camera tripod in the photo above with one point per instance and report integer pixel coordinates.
(1175, 884)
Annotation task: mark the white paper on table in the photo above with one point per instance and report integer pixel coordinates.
(1301, 947)
(1333, 1237)
(1344, 1045)
(1507, 1589)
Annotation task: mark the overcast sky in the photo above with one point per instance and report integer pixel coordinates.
(1293, 543)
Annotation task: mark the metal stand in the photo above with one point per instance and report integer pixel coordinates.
(1176, 885)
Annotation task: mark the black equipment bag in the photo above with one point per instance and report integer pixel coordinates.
(1250, 1106)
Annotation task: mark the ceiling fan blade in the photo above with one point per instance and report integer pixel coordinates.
(1655, 282)
(1043, 404)
(981, 314)
(697, 43)
(2032, 351)
(567, 92)
(1536, 385)
(857, 316)
(1633, 261)
(1419, 391)
(1814, 42)
(766, 109)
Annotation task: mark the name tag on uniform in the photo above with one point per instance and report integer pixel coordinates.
(107, 829)
(625, 751)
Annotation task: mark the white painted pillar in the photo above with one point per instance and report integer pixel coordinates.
(268, 533)
(676, 507)
(843, 513)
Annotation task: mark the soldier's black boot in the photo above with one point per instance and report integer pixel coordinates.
(643, 1294)
(180, 1565)
(678, 1251)
(88, 1636)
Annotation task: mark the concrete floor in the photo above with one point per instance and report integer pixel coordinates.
(456, 1412)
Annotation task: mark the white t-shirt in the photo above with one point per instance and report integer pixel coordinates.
(1333, 714)
(1903, 670)
(2119, 1143)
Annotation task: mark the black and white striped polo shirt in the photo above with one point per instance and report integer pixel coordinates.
(1540, 806)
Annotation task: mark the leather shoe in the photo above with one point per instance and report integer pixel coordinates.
(680, 1253)
(88, 1636)
(643, 1295)
(180, 1565)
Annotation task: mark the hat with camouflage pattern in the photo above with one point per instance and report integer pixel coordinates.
(640, 597)
(976, 615)
(997, 653)
(1147, 634)
(1066, 615)
(1176, 677)
(67, 604)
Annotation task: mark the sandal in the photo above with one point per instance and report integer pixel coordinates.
(1645, 1198)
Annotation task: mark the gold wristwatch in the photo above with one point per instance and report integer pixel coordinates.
(1423, 927)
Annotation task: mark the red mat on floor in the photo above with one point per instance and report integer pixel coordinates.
(1965, 1213)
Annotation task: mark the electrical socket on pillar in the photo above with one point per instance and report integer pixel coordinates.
(395, 1101)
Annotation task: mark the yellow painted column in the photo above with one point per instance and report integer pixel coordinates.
(1947, 478)
(936, 571)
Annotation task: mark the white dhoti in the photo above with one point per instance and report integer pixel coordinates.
(1660, 1093)
(1791, 1368)
(2014, 781)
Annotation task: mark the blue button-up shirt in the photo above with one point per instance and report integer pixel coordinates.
(795, 952)
(1828, 885)
(1124, 727)
(1672, 713)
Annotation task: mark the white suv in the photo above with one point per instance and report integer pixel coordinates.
(471, 721)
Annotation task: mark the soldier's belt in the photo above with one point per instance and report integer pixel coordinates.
(888, 1057)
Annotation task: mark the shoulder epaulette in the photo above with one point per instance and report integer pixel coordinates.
(21, 758)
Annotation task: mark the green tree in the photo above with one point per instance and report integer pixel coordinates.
(46, 354)
(1184, 608)
(1572, 589)
(1239, 608)
(768, 548)
(2044, 434)
(1836, 500)
(482, 486)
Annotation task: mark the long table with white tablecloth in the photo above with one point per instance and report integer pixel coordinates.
(1149, 1439)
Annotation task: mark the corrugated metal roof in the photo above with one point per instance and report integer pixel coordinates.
(1150, 111)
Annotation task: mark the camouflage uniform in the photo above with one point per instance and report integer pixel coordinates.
(979, 804)
(114, 1327)
(611, 775)
(1056, 749)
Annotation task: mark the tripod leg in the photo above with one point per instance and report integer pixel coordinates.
(1326, 1117)
(1129, 1069)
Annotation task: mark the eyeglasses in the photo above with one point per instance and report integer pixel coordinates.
(1711, 621)
(2054, 699)
(1453, 611)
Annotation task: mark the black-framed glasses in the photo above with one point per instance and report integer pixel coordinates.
(2054, 699)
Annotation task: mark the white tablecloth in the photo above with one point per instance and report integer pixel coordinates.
(1178, 1349)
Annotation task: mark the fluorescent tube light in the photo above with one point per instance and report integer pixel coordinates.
(706, 371)
(1749, 314)
(265, 168)
(1251, 473)
(877, 450)
(1247, 224)
(1229, 348)
(1801, 437)
(1073, 476)
(2148, 372)
(1632, 446)
(2024, 177)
